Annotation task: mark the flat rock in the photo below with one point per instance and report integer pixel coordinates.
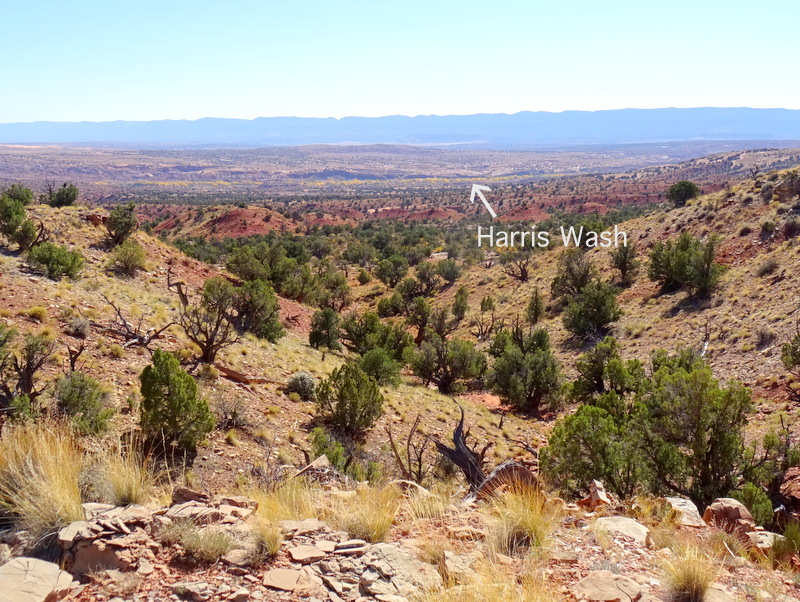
(33, 580)
(409, 487)
(306, 554)
(350, 543)
(622, 525)
(689, 515)
(303, 527)
(283, 579)
(325, 545)
(605, 586)
(79, 529)
(467, 533)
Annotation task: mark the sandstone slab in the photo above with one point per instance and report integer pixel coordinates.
(689, 515)
(605, 586)
(282, 579)
(33, 580)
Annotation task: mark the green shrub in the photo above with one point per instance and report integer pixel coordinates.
(460, 304)
(448, 269)
(686, 262)
(349, 400)
(83, 399)
(380, 365)
(535, 309)
(588, 314)
(446, 362)
(258, 310)
(326, 444)
(390, 271)
(526, 373)
(303, 384)
(623, 258)
(390, 306)
(171, 411)
(128, 258)
(324, 329)
(573, 273)
(756, 501)
(56, 261)
(64, 196)
(12, 215)
(682, 191)
(363, 276)
(122, 222)
(679, 432)
(791, 227)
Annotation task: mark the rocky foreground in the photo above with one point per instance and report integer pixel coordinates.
(597, 552)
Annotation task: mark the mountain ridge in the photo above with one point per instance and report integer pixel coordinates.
(527, 129)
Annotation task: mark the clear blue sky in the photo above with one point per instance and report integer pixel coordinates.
(102, 60)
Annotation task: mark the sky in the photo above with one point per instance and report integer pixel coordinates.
(173, 59)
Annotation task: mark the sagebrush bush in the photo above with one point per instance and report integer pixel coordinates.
(78, 328)
(350, 400)
(84, 400)
(767, 267)
(303, 384)
(56, 261)
(171, 411)
(128, 258)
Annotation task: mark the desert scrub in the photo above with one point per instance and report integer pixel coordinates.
(37, 313)
(84, 400)
(78, 328)
(202, 545)
(368, 515)
(128, 258)
(55, 261)
(303, 384)
(40, 468)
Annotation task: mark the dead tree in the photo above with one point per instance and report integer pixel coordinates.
(508, 475)
(413, 468)
(74, 355)
(469, 460)
(133, 334)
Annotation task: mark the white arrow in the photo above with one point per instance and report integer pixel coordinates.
(476, 189)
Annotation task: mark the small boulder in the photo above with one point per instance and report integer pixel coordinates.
(306, 554)
(730, 515)
(621, 525)
(764, 540)
(597, 497)
(689, 515)
(605, 586)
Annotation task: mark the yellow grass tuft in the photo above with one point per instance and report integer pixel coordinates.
(690, 574)
(126, 477)
(40, 471)
(520, 520)
(268, 538)
(293, 500)
(368, 515)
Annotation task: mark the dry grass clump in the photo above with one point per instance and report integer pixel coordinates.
(492, 581)
(200, 545)
(125, 477)
(268, 539)
(690, 574)
(426, 506)
(520, 520)
(40, 470)
(293, 500)
(368, 515)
